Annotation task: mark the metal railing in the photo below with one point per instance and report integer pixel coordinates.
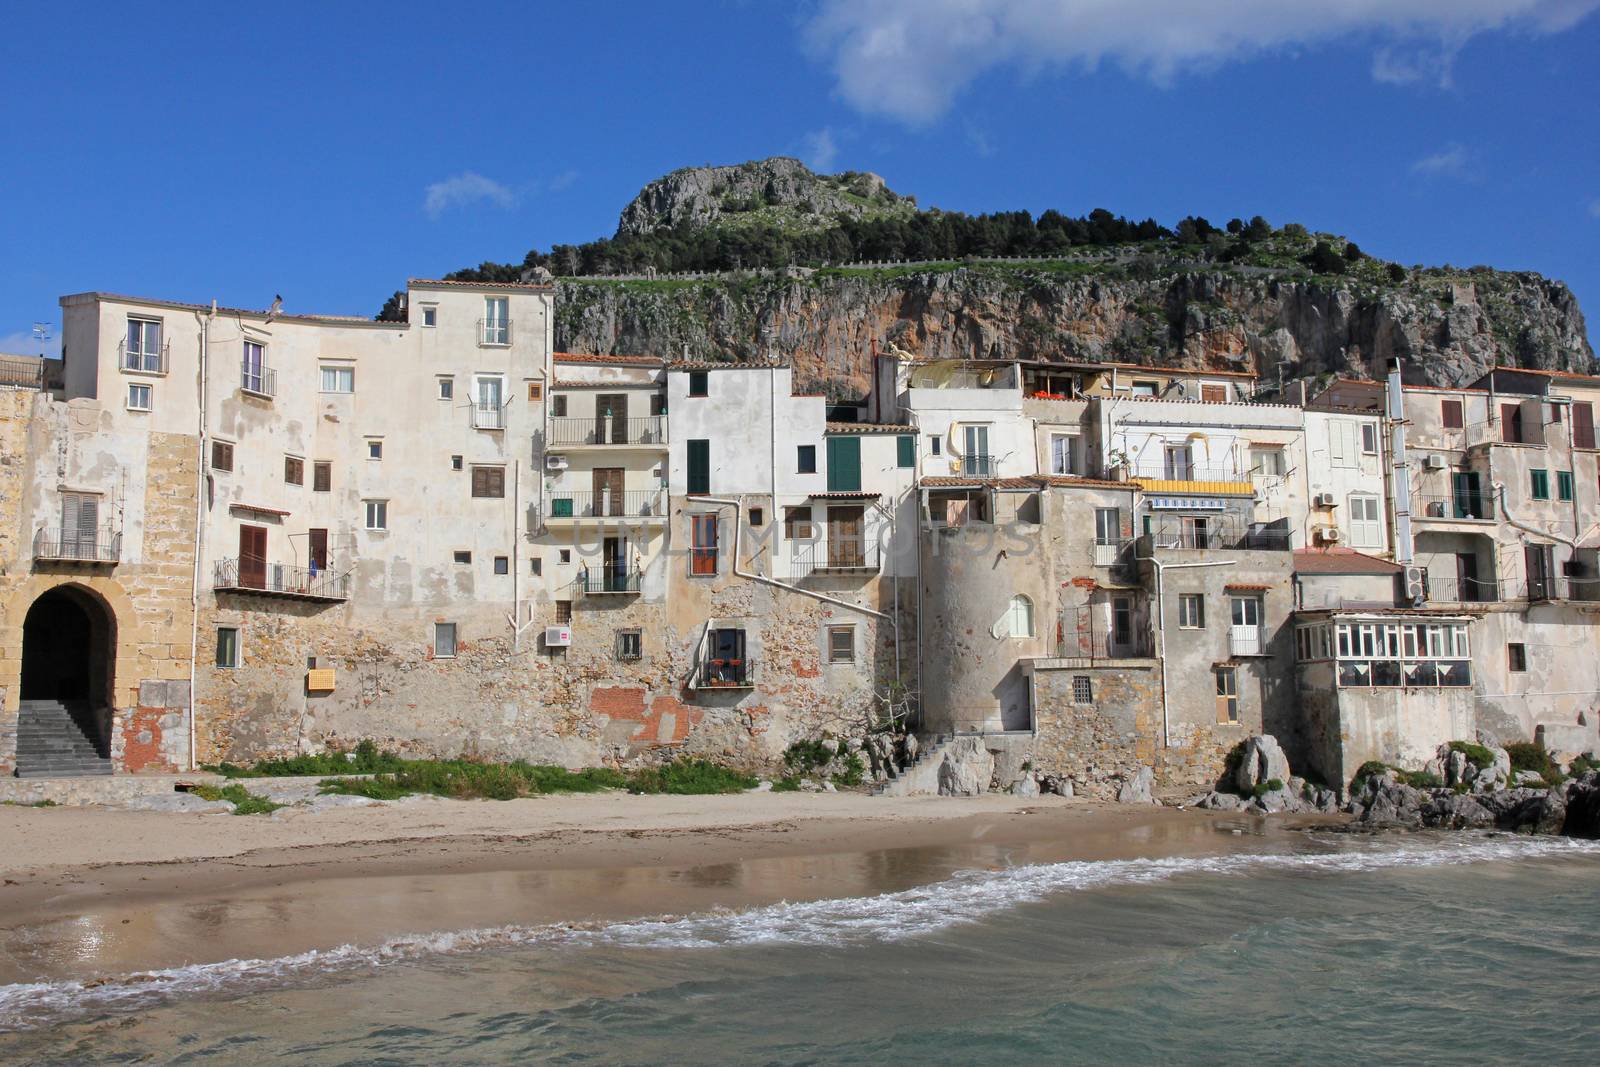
(1081, 644)
(717, 673)
(637, 503)
(16, 371)
(600, 430)
(488, 416)
(143, 360)
(980, 466)
(258, 378)
(857, 555)
(1461, 590)
(286, 579)
(103, 545)
(494, 331)
(1110, 555)
(1228, 533)
(609, 580)
(1186, 472)
(1249, 642)
(1475, 504)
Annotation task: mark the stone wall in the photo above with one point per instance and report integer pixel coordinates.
(1112, 736)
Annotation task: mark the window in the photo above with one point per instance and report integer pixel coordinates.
(489, 482)
(536, 567)
(703, 544)
(1267, 462)
(456, 463)
(377, 514)
(1539, 484)
(1450, 412)
(1177, 463)
(1582, 424)
(905, 451)
(496, 320)
(1107, 526)
(463, 557)
(1511, 423)
(1191, 611)
(630, 644)
(844, 464)
(1082, 689)
(1366, 528)
(444, 640)
(841, 644)
(558, 405)
(254, 377)
(936, 444)
(1196, 531)
(758, 518)
(447, 388)
(1227, 695)
(806, 459)
(563, 555)
(1063, 453)
(1019, 617)
(535, 391)
(221, 456)
(502, 564)
(430, 316)
(1212, 393)
(138, 398)
(797, 524)
(1516, 657)
(322, 477)
(338, 379)
(374, 449)
(1146, 388)
(143, 349)
(294, 470)
(227, 646)
(1564, 485)
(563, 612)
(699, 480)
(1342, 443)
(1369, 439)
(699, 383)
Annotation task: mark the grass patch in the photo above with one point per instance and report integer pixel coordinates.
(1271, 785)
(244, 802)
(787, 784)
(472, 780)
(1531, 756)
(689, 777)
(1375, 768)
(29, 803)
(1478, 755)
(1580, 765)
(365, 758)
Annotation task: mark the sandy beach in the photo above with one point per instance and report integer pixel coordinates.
(90, 891)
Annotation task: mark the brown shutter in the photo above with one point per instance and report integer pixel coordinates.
(1583, 424)
(318, 549)
(322, 477)
(1451, 411)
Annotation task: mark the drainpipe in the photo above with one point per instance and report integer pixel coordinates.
(516, 558)
(1505, 513)
(199, 526)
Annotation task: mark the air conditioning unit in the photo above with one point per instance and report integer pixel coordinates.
(1324, 500)
(554, 461)
(1416, 585)
(557, 636)
(1434, 462)
(1329, 535)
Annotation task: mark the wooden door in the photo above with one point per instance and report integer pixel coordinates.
(318, 552)
(611, 419)
(253, 557)
(80, 521)
(608, 491)
(846, 547)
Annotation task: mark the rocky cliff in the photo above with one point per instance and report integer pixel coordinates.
(1449, 326)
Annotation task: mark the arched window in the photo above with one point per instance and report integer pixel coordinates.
(1019, 617)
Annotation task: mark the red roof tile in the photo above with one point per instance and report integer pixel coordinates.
(615, 360)
(1341, 561)
(430, 283)
(869, 427)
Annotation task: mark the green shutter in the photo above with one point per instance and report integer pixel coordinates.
(1541, 484)
(844, 464)
(699, 466)
(906, 449)
(1564, 485)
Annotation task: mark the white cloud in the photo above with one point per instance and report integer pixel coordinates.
(979, 139)
(908, 59)
(24, 343)
(1594, 208)
(562, 181)
(464, 189)
(820, 149)
(1452, 161)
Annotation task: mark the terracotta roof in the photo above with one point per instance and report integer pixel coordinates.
(1247, 588)
(868, 427)
(568, 383)
(436, 282)
(1063, 481)
(721, 364)
(149, 301)
(1341, 561)
(616, 360)
(1549, 373)
(256, 510)
(1185, 372)
(844, 496)
(956, 482)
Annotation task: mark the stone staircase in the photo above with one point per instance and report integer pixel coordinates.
(55, 740)
(922, 775)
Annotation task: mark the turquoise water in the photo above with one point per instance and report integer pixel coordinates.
(1417, 950)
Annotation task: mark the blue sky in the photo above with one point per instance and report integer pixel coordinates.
(327, 152)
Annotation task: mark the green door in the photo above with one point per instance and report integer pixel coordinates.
(699, 480)
(844, 464)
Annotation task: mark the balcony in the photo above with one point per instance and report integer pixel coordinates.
(718, 672)
(1461, 590)
(607, 580)
(143, 360)
(488, 416)
(573, 432)
(258, 379)
(1217, 532)
(1246, 641)
(979, 466)
(839, 558)
(494, 333)
(279, 580)
(647, 505)
(22, 372)
(77, 546)
(1467, 506)
(1092, 645)
(1110, 554)
(1186, 477)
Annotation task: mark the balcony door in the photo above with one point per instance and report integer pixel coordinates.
(1178, 468)
(975, 461)
(611, 419)
(253, 557)
(80, 521)
(318, 551)
(1245, 633)
(845, 544)
(255, 362)
(608, 495)
(614, 563)
(1464, 486)
(1467, 577)
(490, 400)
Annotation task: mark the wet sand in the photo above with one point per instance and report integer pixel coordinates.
(89, 892)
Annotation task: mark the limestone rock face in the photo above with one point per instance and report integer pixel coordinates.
(1025, 787)
(966, 769)
(1137, 789)
(1583, 807)
(1263, 761)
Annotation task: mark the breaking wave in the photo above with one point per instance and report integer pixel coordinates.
(965, 897)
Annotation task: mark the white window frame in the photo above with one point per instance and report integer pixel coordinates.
(447, 387)
(379, 509)
(1369, 430)
(850, 653)
(134, 389)
(1365, 518)
(1191, 611)
(374, 448)
(496, 331)
(142, 353)
(1064, 446)
(430, 316)
(440, 629)
(1273, 453)
(340, 372)
(1019, 617)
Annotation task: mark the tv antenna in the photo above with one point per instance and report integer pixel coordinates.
(41, 333)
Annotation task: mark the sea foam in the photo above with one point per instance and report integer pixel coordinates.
(965, 897)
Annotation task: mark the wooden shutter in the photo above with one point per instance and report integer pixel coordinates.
(1511, 423)
(699, 466)
(221, 456)
(1451, 411)
(321, 477)
(906, 450)
(1214, 394)
(1583, 424)
(703, 553)
(488, 481)
(844, 464)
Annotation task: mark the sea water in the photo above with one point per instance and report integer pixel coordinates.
(1464, 948)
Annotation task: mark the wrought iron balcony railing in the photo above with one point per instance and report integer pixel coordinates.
(494, 331)
(143, 360)
(103, 545)
(280, 579)
(574, 430)
(603, 580)
(636, 503)
(258, 378)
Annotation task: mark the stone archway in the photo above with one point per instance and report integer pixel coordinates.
(69, 646)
